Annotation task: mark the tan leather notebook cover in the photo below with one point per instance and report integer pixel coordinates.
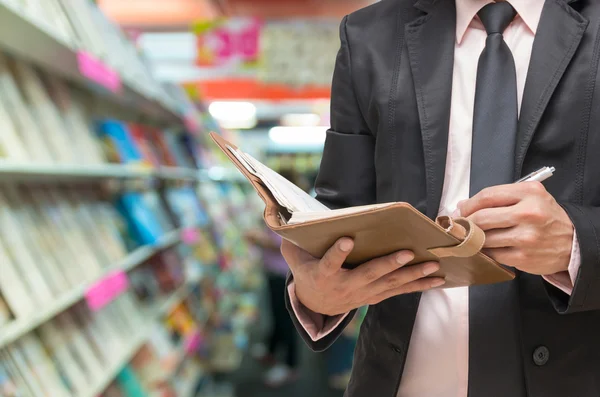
(455, 243)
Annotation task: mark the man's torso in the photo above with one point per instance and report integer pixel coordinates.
(405, 94)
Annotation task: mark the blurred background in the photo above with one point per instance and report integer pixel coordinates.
(133, 257)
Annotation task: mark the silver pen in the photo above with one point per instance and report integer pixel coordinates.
(540, 175)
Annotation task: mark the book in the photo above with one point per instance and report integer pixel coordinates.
(11, 144)
(87, 322)
(13, 287)
(58, 346)
(58, 232)
(8, 386)
(16, 376)
(40, 363)
(118, 144)
(378, 230)
(76, 338)
(43, 111)
(28, 130)
(142, 223)
(25, 255)
(30, 375)
(41, 239)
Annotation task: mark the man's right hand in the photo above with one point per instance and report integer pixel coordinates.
(324, 287)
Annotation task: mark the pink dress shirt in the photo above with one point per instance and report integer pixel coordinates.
(439, 347)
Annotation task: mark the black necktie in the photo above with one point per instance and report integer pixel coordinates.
(495, 360)
(495, 112)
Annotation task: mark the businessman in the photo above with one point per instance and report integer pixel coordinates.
(443, 104)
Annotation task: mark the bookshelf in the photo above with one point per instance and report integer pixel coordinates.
(102, 178)
(178, 173)
(138, 341)
(58, 173)
(107, 377)
(17, 328)
(23, 36)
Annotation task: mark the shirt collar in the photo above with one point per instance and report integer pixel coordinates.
(529, 10)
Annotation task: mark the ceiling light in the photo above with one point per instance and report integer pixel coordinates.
(298, 135)
(234, 115)
(300, 120)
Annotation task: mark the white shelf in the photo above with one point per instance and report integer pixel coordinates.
(19, 327)
(21, 36)
(56, 173)
(69, 173)
(98, 387)
(178, 173)
(137, 342)
(220, 174)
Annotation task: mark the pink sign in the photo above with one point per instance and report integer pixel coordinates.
(192, 343)
(237, 39)
(106, 290)
(190, 236)
(96, 71)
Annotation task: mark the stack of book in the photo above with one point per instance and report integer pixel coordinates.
(51, 241)
(43, 120)
(81, 26)
(69, 353)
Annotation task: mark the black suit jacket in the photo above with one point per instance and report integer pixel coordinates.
(388, 142)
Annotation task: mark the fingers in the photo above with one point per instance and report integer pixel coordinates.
(511, 237)
(495, 218)
(335, 257)
(398, 278)
(377, 268)
(420, 285)
(293, 255)
(495, 196)
(507, 255)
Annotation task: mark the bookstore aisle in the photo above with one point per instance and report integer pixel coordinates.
(123, 269)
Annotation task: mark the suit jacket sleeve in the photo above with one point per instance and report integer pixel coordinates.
(347, 174)
(586, 291)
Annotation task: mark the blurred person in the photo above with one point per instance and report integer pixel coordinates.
(282, 334)
(444, 104)
(340, 355)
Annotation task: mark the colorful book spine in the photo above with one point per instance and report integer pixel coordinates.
(119, 143)
(142, 223)
(31, 136)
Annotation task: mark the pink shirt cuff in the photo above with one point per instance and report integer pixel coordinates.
(565, 281)
(317, 326)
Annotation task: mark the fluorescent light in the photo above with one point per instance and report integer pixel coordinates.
(298, 135)
(300, 120)
(216, 173)
(234, 115)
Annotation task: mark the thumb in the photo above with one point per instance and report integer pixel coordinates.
(335, 257)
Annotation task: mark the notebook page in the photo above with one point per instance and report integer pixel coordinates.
(242, 159)
(301, 217)
(285, 192)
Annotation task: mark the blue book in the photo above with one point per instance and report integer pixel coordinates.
(142, 223)
(130, 384)
(119, 142)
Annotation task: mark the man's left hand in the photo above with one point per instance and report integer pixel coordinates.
(524, 227)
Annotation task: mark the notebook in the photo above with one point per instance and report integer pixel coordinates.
(378, 230)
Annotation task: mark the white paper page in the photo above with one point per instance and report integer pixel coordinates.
(301, 217)
(285, 192)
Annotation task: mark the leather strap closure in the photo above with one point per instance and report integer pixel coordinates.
(463, 229)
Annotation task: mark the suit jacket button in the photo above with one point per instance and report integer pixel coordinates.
(397, 349)
(541, 355)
